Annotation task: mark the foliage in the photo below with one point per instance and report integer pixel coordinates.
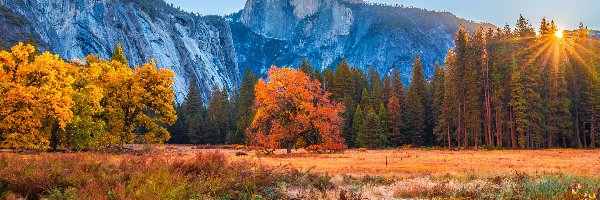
(35, 94)
(291, 106)
(49, 103)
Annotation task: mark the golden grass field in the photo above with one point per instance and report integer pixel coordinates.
(416, 162)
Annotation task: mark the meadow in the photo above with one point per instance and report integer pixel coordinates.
(188, 172)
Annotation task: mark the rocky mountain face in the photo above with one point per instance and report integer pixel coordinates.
(188, 44)
(282, 32)
(214, 49)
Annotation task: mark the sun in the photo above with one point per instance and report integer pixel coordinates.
(559, 34)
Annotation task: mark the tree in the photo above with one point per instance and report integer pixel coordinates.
(376, 88)
(289, 104)
(307, 68)
(218, 116)
(474, 68)
(138, 101)
(35, 91)
(87, 130)
(395, 122)
(358, 122)
(371, 135)
(245, 112)
(193, 113)
(118, 55)
(415, 112)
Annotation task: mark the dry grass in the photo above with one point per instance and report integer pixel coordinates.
(185, 172)
(415, 162)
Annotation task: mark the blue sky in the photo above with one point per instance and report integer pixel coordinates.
(568, 14)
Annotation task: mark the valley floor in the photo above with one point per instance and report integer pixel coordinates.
(411, 162)
(186, 172)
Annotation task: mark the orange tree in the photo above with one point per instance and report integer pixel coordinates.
(291, 109)
(35, 97)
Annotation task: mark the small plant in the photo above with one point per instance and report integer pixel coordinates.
(361, 149)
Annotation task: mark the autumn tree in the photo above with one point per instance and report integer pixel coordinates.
(289, 105)
(35, 93)
(137, 102)
(87, 130)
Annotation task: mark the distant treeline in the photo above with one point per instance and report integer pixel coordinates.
(503, 88)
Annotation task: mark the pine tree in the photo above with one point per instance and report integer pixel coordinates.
(118, 55)
(395, 122)
(371, 135)
(193, 112)
(473, 84)
(388, 90)
(447, 114)
(218, 116)
(365, 100)
(343, 89)
(415, 111)
(307, 68)
(438, 84)
(376, 88)
(246, 100)
(357, 123)
(397, 85)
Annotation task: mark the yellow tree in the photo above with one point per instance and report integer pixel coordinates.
(137, 102)
(35, 97)
(87, 129)
(291, 107)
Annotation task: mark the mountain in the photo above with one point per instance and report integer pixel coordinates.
(188, 44)
(282, 32)
(215, 48)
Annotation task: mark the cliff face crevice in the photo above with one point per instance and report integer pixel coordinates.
(188, 44)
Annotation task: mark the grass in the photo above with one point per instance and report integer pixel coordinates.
(182, 173)
(150, 176)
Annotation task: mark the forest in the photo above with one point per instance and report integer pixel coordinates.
(505, 88)
(509, 88)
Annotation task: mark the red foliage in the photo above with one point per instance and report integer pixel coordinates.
(291, 106)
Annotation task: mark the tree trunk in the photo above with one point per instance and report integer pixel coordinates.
(498, 130)
(289, 148)
(448, 132)
(593, 128)
(513, 138)
(54, 140)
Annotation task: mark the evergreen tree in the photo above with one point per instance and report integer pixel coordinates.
(397, 85)
(395, 122)
(447, 111)
(473, 84)
(371, 135)
(328, 78)
(193, 112)
(118, 55)
(343, 89)
(357, 123)
(218, 116)
(245, 111)
(415, 111)
(376, 88)
(365, 100)
(388, 90)
(307, 68)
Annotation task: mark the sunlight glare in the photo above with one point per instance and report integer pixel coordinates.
(559, 33)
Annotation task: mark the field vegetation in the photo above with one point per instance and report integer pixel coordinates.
(186, 172)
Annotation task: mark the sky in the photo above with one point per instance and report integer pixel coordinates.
(567, 13)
